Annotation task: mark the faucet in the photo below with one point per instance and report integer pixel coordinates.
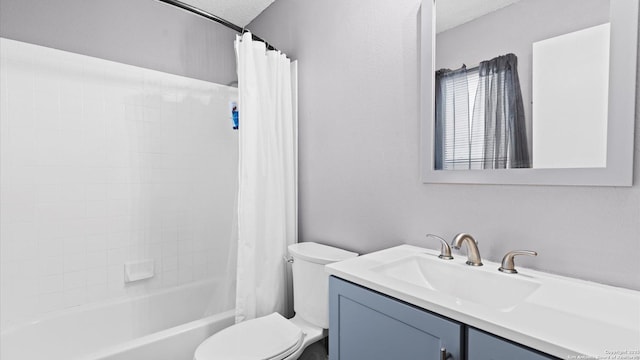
(445, 250)
(473, 254)
(508, 266)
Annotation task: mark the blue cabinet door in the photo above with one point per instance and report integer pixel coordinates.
(366, 325)
(483, 346)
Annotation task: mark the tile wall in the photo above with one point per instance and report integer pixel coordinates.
(103, 163)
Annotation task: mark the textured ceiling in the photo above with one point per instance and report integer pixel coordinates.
(451, 13)
(239, 12)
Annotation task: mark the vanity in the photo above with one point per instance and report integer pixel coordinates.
(407, 303)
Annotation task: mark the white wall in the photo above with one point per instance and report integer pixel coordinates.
(359, 161)
(145, 33)
(571, 131)
(103, 163)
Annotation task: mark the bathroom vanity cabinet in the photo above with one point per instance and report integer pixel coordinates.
(365, 324)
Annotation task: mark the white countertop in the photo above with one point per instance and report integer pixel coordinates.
(564, 317)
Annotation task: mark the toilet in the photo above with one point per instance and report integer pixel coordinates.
(274, 337)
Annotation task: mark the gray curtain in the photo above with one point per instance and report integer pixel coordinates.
(499, 101)
(492, 135)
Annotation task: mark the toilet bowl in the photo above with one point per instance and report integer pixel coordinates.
(273, 337)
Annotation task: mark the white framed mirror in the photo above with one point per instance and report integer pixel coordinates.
(610, 145)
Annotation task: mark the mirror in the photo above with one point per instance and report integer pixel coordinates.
(580, 140)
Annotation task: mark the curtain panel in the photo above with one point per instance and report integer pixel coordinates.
(499, 102)
(267, 205)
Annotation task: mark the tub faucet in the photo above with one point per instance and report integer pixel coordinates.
(473, 254)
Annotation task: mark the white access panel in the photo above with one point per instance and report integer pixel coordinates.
(570, 92)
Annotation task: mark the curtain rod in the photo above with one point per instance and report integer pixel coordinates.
(219, 20)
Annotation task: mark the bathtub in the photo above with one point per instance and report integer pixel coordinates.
(165, 325)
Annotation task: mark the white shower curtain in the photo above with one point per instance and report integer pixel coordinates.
(267, 193)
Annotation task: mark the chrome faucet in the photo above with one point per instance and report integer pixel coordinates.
(508, 266)
(445, 250)
(473, 254)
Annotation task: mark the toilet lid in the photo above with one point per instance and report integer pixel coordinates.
(270, 337)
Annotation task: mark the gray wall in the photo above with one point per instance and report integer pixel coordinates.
(143, 33)
(359, 168)
(513, 29)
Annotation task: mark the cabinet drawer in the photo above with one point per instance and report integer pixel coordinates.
(483, 346)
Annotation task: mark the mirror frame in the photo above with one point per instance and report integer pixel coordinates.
(620, 122)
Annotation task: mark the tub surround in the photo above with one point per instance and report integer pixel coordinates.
(102, 164)
(561, 316)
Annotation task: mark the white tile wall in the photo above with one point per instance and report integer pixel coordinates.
(103, 163)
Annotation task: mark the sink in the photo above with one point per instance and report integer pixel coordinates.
(480, 285)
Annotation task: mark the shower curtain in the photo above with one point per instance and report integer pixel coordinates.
(267, 197)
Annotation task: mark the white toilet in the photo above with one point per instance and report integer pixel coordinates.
(273, 337)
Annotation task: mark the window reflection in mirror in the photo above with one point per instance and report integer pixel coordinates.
(561, 50)
(479, 117)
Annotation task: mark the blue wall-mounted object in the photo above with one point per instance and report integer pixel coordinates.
(234, 114)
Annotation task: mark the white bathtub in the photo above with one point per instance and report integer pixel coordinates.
(166, 325)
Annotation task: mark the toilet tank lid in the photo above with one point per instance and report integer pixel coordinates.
(318, 253)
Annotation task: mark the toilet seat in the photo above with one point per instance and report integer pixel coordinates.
(270, 337)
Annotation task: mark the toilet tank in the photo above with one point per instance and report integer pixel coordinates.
(311, 282)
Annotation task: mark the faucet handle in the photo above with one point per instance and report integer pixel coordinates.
(508, 266)
(445, 249)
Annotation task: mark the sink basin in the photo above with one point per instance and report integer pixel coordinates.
(480, 285)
